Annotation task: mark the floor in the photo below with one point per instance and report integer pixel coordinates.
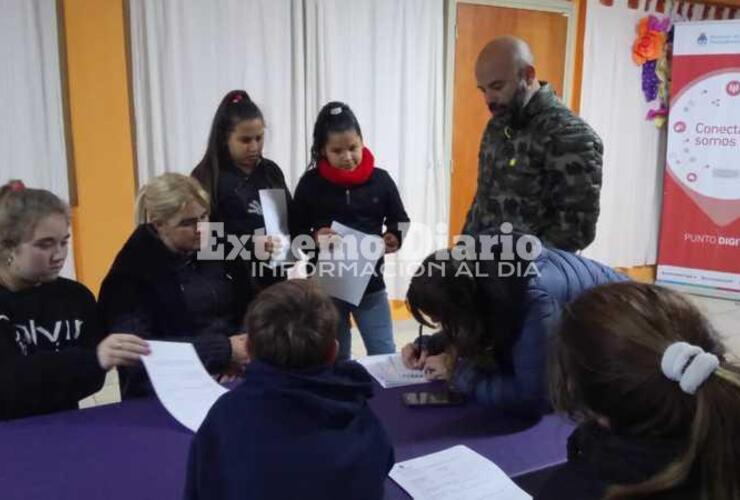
(724, 315)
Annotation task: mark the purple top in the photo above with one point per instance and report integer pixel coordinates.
(136, 450)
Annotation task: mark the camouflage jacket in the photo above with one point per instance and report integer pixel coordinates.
(543, 176)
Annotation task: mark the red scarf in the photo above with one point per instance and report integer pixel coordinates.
(358, 175)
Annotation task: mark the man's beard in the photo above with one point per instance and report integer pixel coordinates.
(511, 113)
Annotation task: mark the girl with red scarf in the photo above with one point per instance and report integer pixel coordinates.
(343, 184)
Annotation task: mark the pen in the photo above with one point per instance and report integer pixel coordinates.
(418, 341)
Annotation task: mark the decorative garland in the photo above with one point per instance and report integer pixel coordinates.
(651, 50)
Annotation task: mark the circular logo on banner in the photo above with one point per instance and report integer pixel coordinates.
(733, 88)
(703, 153)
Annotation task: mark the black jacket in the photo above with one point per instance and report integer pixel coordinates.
(540, 170)
(367, 208)
(236, 191)
(154, 293)
(598, 458)
(282, 435)
(235, 201)
(48, 339)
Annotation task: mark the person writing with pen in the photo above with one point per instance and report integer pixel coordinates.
(495, 323)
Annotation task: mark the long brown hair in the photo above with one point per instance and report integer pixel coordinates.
(605, 360)
(481, 315)
(236, 106)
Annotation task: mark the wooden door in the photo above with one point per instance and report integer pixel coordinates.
(546, 32)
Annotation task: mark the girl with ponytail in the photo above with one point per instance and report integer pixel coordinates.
(233, 171)
(344, 185)
(657, 399)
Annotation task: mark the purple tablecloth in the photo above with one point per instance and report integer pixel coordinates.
(135, 450)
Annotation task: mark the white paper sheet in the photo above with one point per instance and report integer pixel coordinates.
(389, 371)
(181, 382)
(275, 214)
(346, 272)
(457, 473)
(300, 270)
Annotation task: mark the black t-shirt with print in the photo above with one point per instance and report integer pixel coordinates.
(240, 209)
(239, 206)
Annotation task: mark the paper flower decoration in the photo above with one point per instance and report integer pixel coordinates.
(648, 47)
(650, 51)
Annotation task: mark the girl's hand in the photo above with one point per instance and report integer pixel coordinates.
(324, 231)
(121, 349)
(391, 243)
(412, 358)
(327, 238)
(239, 354)
(439, 367)
(266, 246)
(273, 244)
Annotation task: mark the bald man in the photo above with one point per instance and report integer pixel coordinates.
(539, 164)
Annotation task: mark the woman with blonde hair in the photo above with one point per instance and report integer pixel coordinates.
(52, 348)
(657, 399)
(159, 289)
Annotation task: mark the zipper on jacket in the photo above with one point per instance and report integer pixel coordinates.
(216, 304)
(347, 194)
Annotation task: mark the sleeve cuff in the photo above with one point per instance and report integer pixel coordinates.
(213, 350)
(464, 377)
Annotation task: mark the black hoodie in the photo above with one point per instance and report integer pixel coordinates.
(48, 339)
(235, 192)
(235, 201)
(598, 459)
(282, 434)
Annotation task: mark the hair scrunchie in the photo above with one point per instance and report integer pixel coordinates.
(689, 365)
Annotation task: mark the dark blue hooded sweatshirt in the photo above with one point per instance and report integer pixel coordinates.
(292, 434)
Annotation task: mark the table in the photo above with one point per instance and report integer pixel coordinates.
(135, 450)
